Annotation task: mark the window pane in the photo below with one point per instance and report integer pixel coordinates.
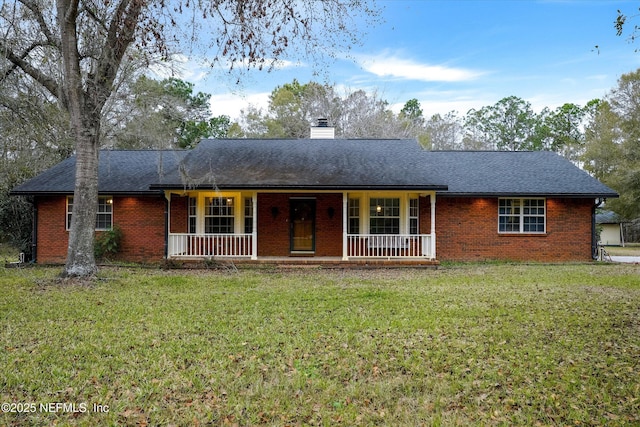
(193, 209)
(534, 224)
(248, 215)
(510, 224)
(384, 216)
(413, 226)
(521, 215)
(354, 216)
(218, 225)
(218, 216)
(413, 216)
(385, 226)
(69, 211)
(354, 225)
(104, 217)
(103, 222)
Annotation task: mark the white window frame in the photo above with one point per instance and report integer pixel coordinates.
(354, 218)
(226, 211)
(522, 211)
(108, 201)
(192, 214)
(414, 215)
(385, 212)
(248, 215)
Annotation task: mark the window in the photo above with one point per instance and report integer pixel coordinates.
(218, 215)
(104, 216)
(384, 216)
(414, 213)
(521, 216)
(193, 214)
(354, 216)
(248, 215)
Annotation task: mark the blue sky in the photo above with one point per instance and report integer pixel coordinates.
(457, 55)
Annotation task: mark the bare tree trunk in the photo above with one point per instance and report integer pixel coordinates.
(85, 123)
(80, 253)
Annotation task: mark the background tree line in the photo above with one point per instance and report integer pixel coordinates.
(601, 136)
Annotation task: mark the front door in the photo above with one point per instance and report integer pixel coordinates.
(303, 225)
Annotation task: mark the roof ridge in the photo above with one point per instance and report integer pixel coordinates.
(144, 150)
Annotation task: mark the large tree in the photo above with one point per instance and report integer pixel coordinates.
(164, 114)
(444, 132)
(76, 49)
(613, 144)
(293, 107)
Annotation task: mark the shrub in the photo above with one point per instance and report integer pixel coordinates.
(108, 242)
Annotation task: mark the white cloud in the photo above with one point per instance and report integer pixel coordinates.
(384, 65)
(230, 104)
(181, 67)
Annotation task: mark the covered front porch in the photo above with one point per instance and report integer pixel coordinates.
(365, 227)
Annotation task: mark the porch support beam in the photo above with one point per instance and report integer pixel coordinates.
(433, 224)
(345, 221)
(254, 227)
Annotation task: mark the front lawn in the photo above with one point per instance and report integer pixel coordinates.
(461, 345)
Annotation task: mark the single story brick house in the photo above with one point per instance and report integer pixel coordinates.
(353, 200)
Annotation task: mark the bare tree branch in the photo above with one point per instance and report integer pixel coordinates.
(37, 13)
(20, 62)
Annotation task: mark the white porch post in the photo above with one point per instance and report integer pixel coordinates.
(254, 227)
(433, 224)
(345, 221)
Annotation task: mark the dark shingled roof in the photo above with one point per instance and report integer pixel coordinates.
(120, 172)
(608, 217)
(308, 164)
(507, 173)
(329, 164)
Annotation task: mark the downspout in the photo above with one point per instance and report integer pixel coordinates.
(34, 232)
(594, 239)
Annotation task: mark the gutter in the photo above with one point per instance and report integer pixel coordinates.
(532, 195)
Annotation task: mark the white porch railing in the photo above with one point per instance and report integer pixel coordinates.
(183, 245)
(390, 246)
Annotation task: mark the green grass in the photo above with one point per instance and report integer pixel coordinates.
(462, 345)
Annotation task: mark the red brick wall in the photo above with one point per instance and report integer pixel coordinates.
(141, 220)
(467, 230)
(273, 233)
(52, 237)
(179, 216)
